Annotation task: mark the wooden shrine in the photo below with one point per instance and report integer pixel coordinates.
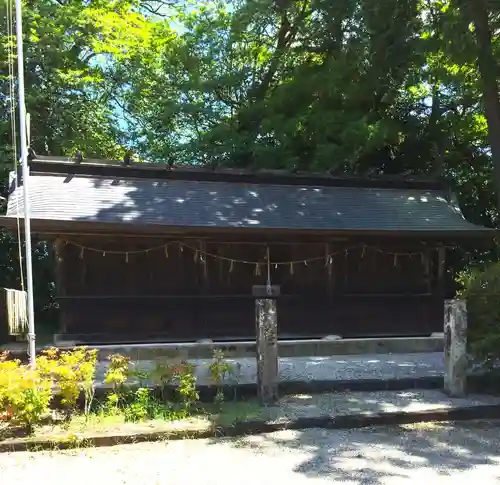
(149, 254)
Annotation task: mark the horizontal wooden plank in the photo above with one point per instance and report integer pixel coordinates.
(232, 297)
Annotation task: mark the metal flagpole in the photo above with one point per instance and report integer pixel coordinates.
(25, 172)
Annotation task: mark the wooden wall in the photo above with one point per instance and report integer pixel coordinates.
(200, 290)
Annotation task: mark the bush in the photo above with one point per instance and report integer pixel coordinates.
(185, 378)
(25, 394)
(219, 369)
(161, 376)
(117, 375)
(72, 372)
(140, 408)
(481, 289)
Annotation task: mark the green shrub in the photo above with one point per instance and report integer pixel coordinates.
(481, 289)
(25, 394)
(142, 375)
(161, 376)
(185, 378)
(117, 375)
(219, 369)
(140, 408)
(71, 372)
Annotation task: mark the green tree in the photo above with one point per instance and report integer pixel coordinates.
(70, 49)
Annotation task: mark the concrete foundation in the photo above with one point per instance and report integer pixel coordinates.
(247, 349)
(286, 348)
(374, 367)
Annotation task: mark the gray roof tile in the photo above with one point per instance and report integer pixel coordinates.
(226, 204)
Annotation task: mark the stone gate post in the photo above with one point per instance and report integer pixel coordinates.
(455, 347)
(266, 319)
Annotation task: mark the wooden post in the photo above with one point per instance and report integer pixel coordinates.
(59, 269)
(60, 282)
(441, 265)
(455, 347)
(267, 343)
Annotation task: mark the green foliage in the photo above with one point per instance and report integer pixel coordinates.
(140, 407)
(219, 369)
(141, 375)
(184, 376)
(161, 376)
(481, 289)
(142, 404)
(72, 371)
(113, 401)
(117, 375)
(25, 394)
(118, 371)
(346, 86)
(69, 94)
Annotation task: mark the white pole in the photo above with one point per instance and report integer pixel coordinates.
(25, 171)
(28, 129)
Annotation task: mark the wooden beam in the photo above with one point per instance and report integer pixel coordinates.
(57, 228)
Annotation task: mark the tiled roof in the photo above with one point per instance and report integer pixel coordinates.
(188, 203)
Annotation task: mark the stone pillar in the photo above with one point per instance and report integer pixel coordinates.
(455, 347)
(267, 343)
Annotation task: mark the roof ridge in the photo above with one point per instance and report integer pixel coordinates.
(126, 177)
(65, 166)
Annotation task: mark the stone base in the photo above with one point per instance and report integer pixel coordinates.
(286, 348)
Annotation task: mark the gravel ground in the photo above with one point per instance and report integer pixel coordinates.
(336, 367)
(438, 454)
(342, 403)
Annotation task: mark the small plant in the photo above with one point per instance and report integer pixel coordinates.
(184, 375)
(140, 408)
(117, 375)
(112, 402)
(162, 376)
(87, 370)
(142, 375)
(219, 369)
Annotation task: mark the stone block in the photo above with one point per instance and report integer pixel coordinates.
(455, 347)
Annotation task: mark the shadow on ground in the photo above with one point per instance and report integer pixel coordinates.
(378, 455)
(409, 406)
